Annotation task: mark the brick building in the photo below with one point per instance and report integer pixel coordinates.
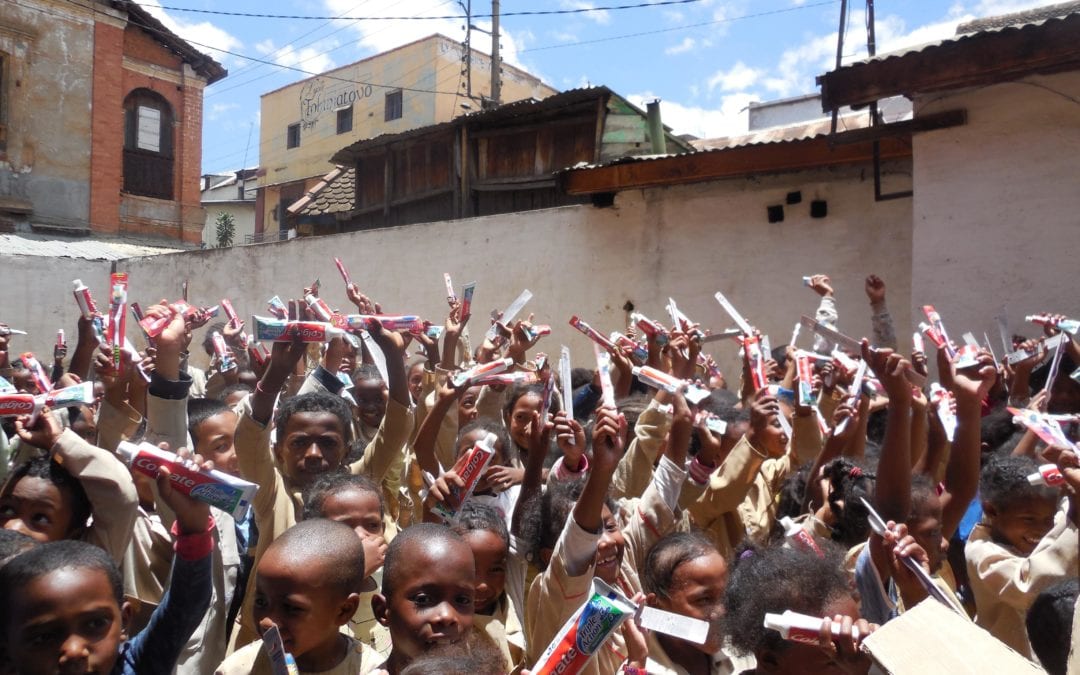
(100, 122)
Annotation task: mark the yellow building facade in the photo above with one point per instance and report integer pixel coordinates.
(422, 83)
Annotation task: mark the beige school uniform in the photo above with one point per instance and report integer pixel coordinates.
(1005, 583)
(505, 631)
(566, 584)
(252, 660)
(715, 508)
(636, 467)
(277, 504)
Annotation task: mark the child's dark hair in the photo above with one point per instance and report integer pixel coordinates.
(923, 489)
(492, 427)
(332, 545)
(632, 406)
(44, 559)
(579, 377)
(330, 484)
(997, 428)
(1050, 623)
(366, 372)
(667, 555)
(849, 481)
(793, 494)
(520, 390)
(232, 389)
(49, 469)
(315, 402)
(13, 543)
(474, 654)
(208, 337)
(477, 517)
(775, 579)
(422, 532)
(201, 409)
(545, 527)
(1004, 482)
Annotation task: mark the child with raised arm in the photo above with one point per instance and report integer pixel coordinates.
(308, 585)
(63, 608)
(1026, 541)
(582, 540)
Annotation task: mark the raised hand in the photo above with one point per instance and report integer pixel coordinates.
(875, 289)
(822, 285)
(192, 516)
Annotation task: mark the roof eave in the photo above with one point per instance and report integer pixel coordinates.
(969, 60)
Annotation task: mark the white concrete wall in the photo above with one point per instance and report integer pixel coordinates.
(997, 206)
(243, 214)
(686, 242)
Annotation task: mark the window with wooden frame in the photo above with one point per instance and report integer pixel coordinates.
(292, 136)
(393, 106)
(148, 145)
(344, 120)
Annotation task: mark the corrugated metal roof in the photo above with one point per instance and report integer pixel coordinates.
(84, 249)
(1005, 23)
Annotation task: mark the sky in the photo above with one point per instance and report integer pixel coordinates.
(706, 60)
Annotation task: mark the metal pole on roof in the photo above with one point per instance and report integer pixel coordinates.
(496, 62)
(839, 54)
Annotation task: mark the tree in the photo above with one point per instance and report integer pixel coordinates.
(226, 229)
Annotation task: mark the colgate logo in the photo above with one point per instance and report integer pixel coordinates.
(150, 467)
(17, 406)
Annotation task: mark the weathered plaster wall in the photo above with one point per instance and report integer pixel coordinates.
(996, 203)
(47, 158)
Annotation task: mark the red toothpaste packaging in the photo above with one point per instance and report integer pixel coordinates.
(213, 487)
(586, 632)
(13, 405)
(470, 468)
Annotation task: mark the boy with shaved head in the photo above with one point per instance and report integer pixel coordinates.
(308, 584)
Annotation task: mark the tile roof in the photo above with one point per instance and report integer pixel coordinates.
(335, 193)
(84, 249)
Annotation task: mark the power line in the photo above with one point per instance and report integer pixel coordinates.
(677, 28)
(535, 12)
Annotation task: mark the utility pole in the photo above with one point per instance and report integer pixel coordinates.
(496, 62)
(467, 58)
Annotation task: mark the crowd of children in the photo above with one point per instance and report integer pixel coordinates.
(489, 511)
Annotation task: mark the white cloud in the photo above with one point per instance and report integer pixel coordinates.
(206, 34)
(739, 78)
(219, 109)
(310, 59)
(687, 44)
(601, 16)
(729, 119)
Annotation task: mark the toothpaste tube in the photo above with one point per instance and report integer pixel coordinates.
(224, 354)
(281, 662)
(277, 307)
(466, 298)
(800, 538)
(752, 347)
(476, 372)
(800, 627)
(136, 311)
(795, 334)
(319, 307)
(536, 332)
(276, 330)
(742, 323)
(344, 272)
(73, 395)
(669, 383)
(967, 356)
(1070, 326)
(939, 329)
(153, 326)
(470, 468)
(505, 379)
(917, 343)
(37, 372)
(709, 365)
(545, 396)
(118, 282)
(637, 352)
(1046, 427)
(540, 361)
(707, 420)
(13, 405)
(511, 312)
(451, 296)
(945, 405)
(409, 323)
(83, 298)
(603, 367)
(258, 353)
(60, 342)
(805, 371)
(432, 331)
(806, 281)
(592, 333)
(1048, 475)
(587, 630)
(565, 381)
(213, 487)
(653, 329)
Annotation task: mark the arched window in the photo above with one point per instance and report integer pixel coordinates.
(148, 145)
